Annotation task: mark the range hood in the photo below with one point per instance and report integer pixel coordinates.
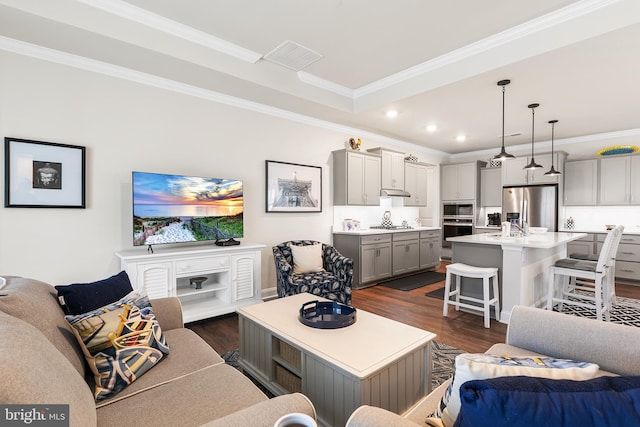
(390, 192)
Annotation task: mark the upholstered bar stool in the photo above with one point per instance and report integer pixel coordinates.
(487, 274)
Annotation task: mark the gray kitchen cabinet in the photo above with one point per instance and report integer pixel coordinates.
(375, 253)
(634, 197)
(459, 181)
(391, 168)
(430, 245)
(615, 173)
(406, 252)
(416, 182)
(627, 256)
(356, 178)
(491, 187)
(580, 182)
(377, 257)
(371, 255)
(584, 245)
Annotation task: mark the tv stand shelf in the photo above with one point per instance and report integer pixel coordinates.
(233, 276)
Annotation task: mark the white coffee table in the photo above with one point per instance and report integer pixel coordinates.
(376, 361)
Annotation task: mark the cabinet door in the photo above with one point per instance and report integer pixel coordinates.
(368, 255)
(405, 257)
(155, 279)
(429, 253)
(614, 181)
(415, 182)
(491, 187)
(449, 182)
(580, 182)
(578, 247)
(383, 261)
(243, 276)
(537, 176)
(467, 181)
(634, 198)
(371, 180)
(397, 171)
(513, 172)
(355, 179)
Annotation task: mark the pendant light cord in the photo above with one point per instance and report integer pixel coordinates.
(533, 119)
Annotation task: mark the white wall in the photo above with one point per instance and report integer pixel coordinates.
(128, 126)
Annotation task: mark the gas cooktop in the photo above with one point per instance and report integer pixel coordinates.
(391, 227)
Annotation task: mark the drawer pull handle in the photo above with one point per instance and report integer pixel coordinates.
(626, 270)
(628, 253)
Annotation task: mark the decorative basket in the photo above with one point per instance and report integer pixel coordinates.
(287, 380)
(290, 354)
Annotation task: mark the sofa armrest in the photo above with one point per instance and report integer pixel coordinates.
(168, 311)
(265, 414)
(563, 336)
(371, 416)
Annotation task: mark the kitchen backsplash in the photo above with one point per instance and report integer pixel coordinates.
(594, 218)
(372, 215)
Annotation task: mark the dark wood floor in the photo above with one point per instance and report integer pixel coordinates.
(461, 330)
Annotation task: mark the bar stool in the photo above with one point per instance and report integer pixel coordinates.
(486, 274)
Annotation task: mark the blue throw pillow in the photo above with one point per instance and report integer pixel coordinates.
(80, 298)
(531, 401)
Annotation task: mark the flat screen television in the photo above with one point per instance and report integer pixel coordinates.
(180, 208)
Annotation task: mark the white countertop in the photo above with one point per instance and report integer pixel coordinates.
(368, 231)
(628, 230)
(542, 240)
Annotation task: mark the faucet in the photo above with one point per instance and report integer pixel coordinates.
(523, 230)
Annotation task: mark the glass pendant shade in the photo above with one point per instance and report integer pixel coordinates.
(552, 171)
(503, 155)
(532, 164)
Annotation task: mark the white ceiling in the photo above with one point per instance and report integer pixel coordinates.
(435, 62)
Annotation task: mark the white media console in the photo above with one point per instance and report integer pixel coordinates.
(232, 273)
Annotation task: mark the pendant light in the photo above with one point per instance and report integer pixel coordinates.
(532, 164)
(503, 155)
(552, 171)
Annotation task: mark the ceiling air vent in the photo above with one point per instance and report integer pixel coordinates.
(293, 56)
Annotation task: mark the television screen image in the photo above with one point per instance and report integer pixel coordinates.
(178, 208)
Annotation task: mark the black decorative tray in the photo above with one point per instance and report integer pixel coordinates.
(327, 315)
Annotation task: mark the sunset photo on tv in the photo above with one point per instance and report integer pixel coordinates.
(178, 208)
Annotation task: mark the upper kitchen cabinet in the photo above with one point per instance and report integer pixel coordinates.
(460, 181)
(491, 187)
(515, 174)
(392, 168)
(415, 183)
(356, 178)
(580, 182)
(619, 180)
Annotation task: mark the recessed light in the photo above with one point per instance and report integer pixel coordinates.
(392, 114)
(460, 138)
(432, 128)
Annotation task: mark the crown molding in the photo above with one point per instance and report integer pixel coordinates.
(528, 28)
(51, 55)
(327, 85)
(165, 25)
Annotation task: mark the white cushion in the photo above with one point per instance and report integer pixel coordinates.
(307, 259)
(483, 366)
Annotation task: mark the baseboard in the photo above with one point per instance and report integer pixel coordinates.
(269, 293)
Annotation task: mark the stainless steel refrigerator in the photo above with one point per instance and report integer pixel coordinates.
(535, 204)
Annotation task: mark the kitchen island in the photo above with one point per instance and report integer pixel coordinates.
(523, 264)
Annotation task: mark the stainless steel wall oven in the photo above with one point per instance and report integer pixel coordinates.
(457, 220)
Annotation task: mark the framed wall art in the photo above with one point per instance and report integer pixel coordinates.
(43, 174)
(292, 187)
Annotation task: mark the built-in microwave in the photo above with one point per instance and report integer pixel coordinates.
(456, 210)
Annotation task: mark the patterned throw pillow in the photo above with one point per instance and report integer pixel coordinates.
(483, 366)
(121, 341)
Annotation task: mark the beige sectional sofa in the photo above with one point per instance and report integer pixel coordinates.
(615, 348)
(41, 362)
